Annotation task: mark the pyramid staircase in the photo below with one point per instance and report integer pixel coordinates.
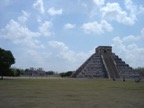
(110, 65)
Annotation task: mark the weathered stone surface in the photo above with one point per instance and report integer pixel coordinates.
(103, 63)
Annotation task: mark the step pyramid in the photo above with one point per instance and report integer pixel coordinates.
(105, 64)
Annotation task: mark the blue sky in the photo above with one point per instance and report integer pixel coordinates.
(60, 35)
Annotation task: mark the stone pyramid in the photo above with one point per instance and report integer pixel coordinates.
(105, 64)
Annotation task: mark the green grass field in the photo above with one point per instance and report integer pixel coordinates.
(70, 93)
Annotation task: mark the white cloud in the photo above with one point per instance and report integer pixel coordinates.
(39, 5)
(32, 58)
(24, 17)
(62, 50)
(14, 28)
(141, 9)
(45, 29)
(17, 32)
(69, 26)
(20, 34)
(98, 28)
(69, 59)
(132, 54)
(112, 11)
(99, 2)
(56, 56)
(129, 4)
(52, 11)
(39, 19)
(36, 58)
(130, 38)
(132, 8)
(58, 45)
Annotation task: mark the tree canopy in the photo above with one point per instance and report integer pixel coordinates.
(6, 60)
(66, 74)
(140, 70)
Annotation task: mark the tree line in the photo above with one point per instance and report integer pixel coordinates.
(140, 70)
(7, 59)
(27, 72)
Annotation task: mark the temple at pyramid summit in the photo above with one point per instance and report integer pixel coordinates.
(105, 64)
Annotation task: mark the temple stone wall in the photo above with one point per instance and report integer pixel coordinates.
(96, 66)
(93, 67)
(124, 69)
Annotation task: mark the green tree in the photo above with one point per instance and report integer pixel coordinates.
(66, 74)
(50, 73)
(14, 72)
(140, 70)
(6, 60)
(69, 73)
(62, 74)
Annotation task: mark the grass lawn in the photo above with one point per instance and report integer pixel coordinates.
(70, 93)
